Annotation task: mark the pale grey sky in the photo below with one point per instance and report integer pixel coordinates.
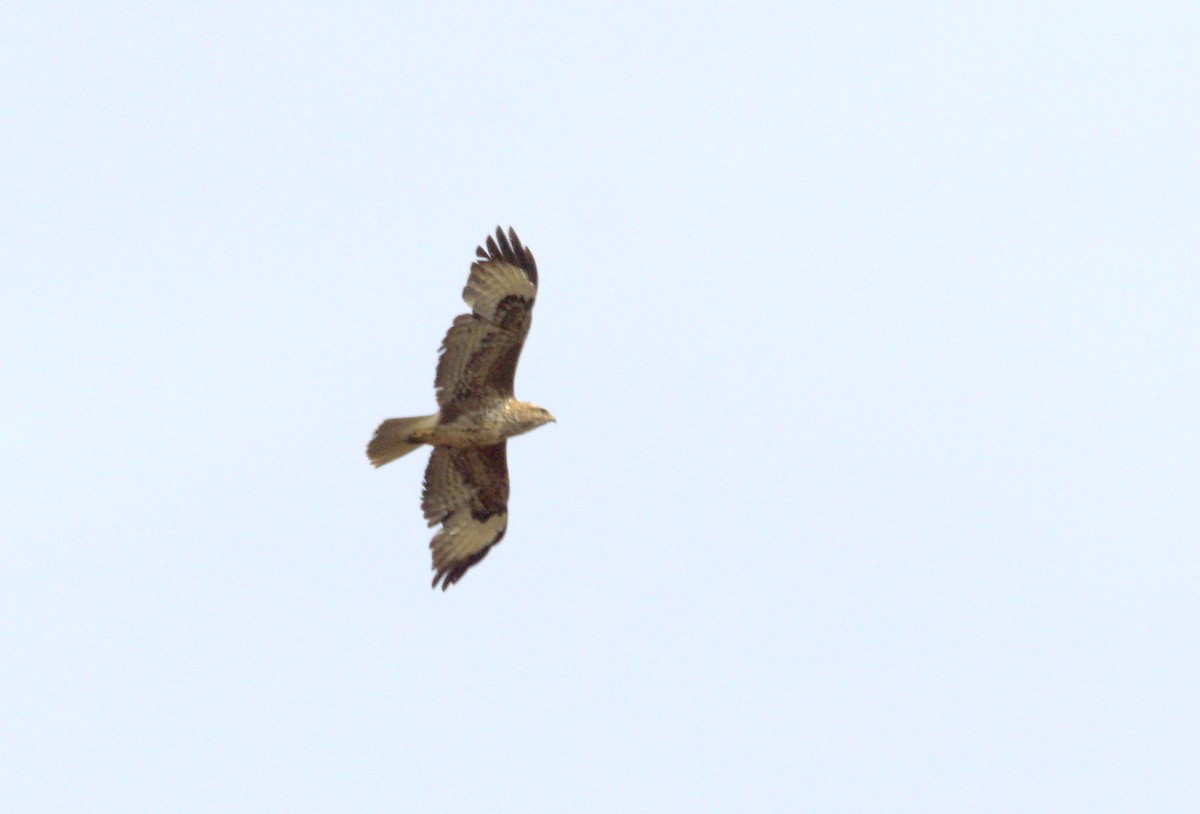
(872, 335)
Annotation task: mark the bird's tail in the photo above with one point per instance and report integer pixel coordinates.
(397, 437)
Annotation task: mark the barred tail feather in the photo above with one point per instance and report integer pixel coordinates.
(397, 437)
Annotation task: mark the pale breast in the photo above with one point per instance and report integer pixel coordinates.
(475, 428)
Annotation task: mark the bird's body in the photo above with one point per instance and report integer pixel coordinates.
(490, 423)
(466, 481)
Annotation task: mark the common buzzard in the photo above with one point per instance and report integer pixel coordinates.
(466, 481)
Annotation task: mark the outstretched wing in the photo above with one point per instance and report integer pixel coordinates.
(480, 352)
(466, 491)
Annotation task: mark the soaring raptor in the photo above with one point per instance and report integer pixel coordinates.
(466, 481)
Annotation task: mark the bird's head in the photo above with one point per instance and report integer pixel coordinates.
(542, 416)
(532, 417)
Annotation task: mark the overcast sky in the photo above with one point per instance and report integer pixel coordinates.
(871, 331)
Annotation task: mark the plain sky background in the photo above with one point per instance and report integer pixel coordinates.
(871, 330)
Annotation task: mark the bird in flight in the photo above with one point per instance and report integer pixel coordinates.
(466, 481)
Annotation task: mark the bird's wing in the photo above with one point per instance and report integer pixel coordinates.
(480, 352)
(466, 491)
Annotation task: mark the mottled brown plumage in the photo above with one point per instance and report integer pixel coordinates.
(466, 481)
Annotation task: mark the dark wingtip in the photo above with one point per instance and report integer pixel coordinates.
(505, 248)
(447, 577)
(451, 573)
(510, 249)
